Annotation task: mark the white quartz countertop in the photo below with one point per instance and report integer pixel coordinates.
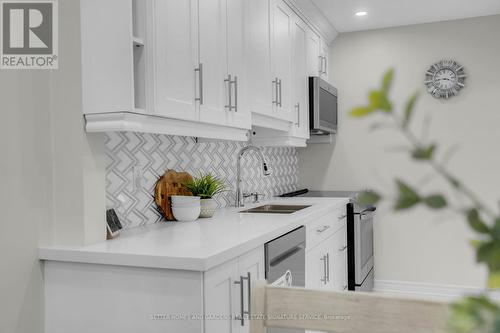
(198, 245)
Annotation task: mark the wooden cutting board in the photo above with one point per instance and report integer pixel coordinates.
(171, 183)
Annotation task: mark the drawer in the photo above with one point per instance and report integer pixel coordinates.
(324, 227)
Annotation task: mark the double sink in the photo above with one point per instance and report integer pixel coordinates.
(275, 209)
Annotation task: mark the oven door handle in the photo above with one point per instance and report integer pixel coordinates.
(285, 255)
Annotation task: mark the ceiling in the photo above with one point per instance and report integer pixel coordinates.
(392, 13)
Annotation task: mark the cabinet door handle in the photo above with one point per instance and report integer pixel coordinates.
(275, 86)
(323, 279)
(328, 267)
(297, 106)
(242, 301)
(279, 82)
(343, 248)
(341, 217)
(200, 82)
(229, 88)
(320, 71)
(235, 82)
(326, 65)
(324, 228)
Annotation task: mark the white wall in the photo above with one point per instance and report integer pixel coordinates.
(52, 175)
(25, 196)
(416, 246)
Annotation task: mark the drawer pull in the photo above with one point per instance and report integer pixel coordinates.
(325, 228)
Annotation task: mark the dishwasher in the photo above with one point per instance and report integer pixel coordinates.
(285, 263)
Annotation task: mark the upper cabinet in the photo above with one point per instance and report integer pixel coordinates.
(300, 86)
(282, 19)
(184, 73)
(324, 58)
(199, 71)
(204, 68)
(177, 69)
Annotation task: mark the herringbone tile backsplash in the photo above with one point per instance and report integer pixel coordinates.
(147, 156)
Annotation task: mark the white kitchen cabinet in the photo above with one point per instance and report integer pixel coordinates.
(177, 70)
(319, 271)
(113, 298)
(324, 54)
(314, 60)
(178, 56)
(107, 56)
(239, 115)
(225, 285)
(300, 81)
(212, 58)
(258, 43)
(339, 260)
(221, 41)
(298, 132)
(221, 297)
(282, 18)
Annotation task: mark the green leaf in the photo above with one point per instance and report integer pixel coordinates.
(407, 197)
(424, 153)
(476, 223)
(435, 201)
(489, 252)
(368, 198)
(378, 101)
(410, 105)
(494, 280)
(361, 111)
(495, 231)
(387, 81)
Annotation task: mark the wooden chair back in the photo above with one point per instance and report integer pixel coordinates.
(344, 312)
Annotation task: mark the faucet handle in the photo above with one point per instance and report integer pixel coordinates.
(256, 196)
(247, 195)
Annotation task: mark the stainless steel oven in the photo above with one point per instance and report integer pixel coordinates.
(360, 261)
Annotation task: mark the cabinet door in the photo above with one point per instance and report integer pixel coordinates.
(300, 127)
(213, 57)
(318, 270)
(250, 265)
(281, 53)
(259, 90)
(176, 36)
(222, 298)
(324, 52)
(339, 260)
(313, 54)
(239, 115)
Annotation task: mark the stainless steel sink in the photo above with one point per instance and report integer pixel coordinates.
(275, 209)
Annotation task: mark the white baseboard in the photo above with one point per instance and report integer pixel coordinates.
(426, 290)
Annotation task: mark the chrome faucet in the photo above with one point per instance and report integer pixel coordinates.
(265, 171)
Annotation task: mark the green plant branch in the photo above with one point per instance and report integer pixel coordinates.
(441, 170)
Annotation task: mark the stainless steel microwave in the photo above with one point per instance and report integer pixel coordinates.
(323, 114)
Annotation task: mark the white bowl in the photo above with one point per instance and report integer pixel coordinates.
(184, 199)
(186, 214)
(190, 204)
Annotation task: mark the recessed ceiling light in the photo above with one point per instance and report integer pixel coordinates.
(361, 13)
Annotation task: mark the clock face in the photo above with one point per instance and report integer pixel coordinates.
(445, 79)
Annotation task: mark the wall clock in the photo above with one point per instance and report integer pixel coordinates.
(445, 79)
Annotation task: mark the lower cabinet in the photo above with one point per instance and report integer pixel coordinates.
(326, 261)
(227, 290)
(81, 297)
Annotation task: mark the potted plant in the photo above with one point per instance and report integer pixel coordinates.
(206, 187)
